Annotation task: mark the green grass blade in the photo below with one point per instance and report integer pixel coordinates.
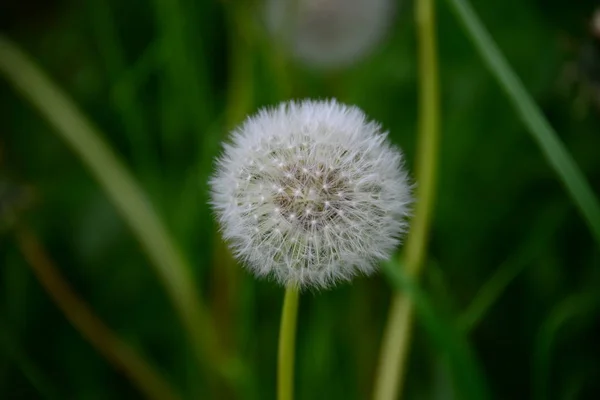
(553, 149)
(126, 103)
(186, 80)
(75, 129)
(396, 339)
(538, 238)
(468, 373)
(132, 78)
(578, 305)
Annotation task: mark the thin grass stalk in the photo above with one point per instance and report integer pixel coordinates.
(553, 149)
(105, 341)
(538, 240)
(452, 345)
(126, 102)
(186, 87)
(580, 305)
(396, 339)
(125, 193)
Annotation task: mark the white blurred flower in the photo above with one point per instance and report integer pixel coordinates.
(310, 193)
(329, 33)
(595, 25)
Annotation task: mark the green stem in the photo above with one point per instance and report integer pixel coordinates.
(287, 341)
(451, 343)
(577, 305)
(396, 337)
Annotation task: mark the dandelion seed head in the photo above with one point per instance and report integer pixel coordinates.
(336, 207)
(329, 33)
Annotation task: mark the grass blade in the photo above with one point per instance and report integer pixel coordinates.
(122, 189)
(468, 373)
(537, 240)
(553, 149)
(396, 339)
(577, 305)
(116, 351)
(126, 102)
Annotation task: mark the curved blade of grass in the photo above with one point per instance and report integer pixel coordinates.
(553, 149)
(464, 365)
(576, 305)
(116, 351)
(537, 240)
(122, 189)
(126, 102)
(395, 343)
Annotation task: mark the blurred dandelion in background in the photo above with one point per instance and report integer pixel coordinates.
(596, 23)
(329, 33)
(311, 193)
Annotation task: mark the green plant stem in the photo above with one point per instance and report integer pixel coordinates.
(287, 343)
(547, 139)
(396, 337)
(582, 305)
(450, 341)
(106, 342)
(122, 189)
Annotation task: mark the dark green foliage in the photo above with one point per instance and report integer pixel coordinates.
(157, 77)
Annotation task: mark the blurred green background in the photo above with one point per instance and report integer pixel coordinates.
(165, 80)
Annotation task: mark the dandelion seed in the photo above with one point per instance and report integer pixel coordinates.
(311, 229)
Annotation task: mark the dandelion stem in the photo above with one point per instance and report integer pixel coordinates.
(396, 337)
(106, 342)
(287, 340)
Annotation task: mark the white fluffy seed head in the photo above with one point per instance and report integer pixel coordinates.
(595, 25)
(328, 33)
(310, 193)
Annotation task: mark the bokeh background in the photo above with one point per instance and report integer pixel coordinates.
(164, 81)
